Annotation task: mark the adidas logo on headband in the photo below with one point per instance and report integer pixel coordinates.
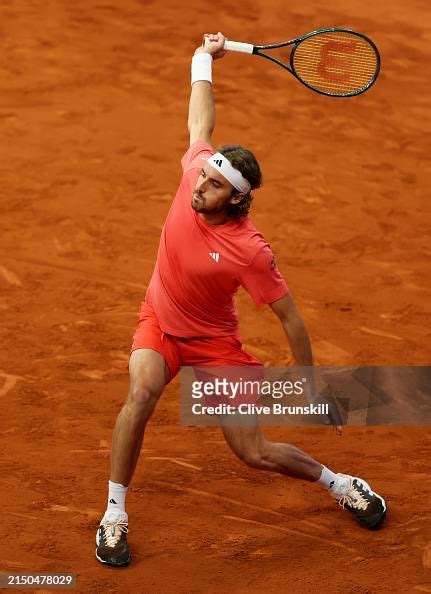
(229, 172)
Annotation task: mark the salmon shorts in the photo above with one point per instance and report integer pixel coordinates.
(212, 351)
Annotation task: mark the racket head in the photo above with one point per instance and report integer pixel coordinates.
(335, 62)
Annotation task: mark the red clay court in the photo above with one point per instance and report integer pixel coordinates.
(93, 114)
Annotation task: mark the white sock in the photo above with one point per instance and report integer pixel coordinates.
(116, 498)
(329, 479)
(336, 484)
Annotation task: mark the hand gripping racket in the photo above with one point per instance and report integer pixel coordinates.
(335, 62)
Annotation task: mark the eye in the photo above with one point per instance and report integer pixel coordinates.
(202, 173)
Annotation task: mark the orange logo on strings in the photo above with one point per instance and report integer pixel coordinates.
(335, 64)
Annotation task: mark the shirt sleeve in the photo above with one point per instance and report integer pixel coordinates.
(196, 155)
(262, 279)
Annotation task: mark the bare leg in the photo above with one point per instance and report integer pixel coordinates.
(148, 376)
(251, 447)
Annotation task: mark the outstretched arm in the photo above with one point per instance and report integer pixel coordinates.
(201, 119)
(295, 330)
(300, 344)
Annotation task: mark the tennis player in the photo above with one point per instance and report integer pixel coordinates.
(208, 248)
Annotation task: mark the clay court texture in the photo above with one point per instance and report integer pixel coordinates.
(93, 114)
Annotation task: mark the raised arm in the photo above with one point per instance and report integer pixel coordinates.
(201, 119)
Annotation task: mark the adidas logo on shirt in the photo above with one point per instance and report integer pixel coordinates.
(215, 256)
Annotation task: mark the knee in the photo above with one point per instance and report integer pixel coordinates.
(141, 400)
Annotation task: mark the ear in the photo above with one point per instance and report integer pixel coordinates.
(237, 197)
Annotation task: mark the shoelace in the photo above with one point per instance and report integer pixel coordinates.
(354, 498)
(113, 531)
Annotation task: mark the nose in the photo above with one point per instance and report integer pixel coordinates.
(200, 186)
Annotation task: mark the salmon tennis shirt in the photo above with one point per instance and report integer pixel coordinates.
(200, 267)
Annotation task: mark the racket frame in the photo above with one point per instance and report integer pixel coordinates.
(296, 42)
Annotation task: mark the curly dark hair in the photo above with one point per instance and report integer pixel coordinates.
(243, 160)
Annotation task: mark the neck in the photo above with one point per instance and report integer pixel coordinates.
(218, 218)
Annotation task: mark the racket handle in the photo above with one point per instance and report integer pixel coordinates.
(237, 46)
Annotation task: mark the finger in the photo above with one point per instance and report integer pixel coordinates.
(220, 54)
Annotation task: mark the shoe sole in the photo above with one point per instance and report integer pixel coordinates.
(108, 564)
(381, 519)
(377, 524)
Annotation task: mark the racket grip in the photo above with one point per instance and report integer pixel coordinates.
(237, 46)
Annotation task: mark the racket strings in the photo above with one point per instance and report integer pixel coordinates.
(336, 62)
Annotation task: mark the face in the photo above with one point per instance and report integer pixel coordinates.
(212, 192)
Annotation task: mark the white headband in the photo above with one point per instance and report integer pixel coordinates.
(235, 177)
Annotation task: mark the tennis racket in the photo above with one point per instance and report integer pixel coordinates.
(335, 62)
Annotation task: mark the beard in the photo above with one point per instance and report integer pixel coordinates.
(199, 204)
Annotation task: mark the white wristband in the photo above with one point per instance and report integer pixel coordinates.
(202, 67)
